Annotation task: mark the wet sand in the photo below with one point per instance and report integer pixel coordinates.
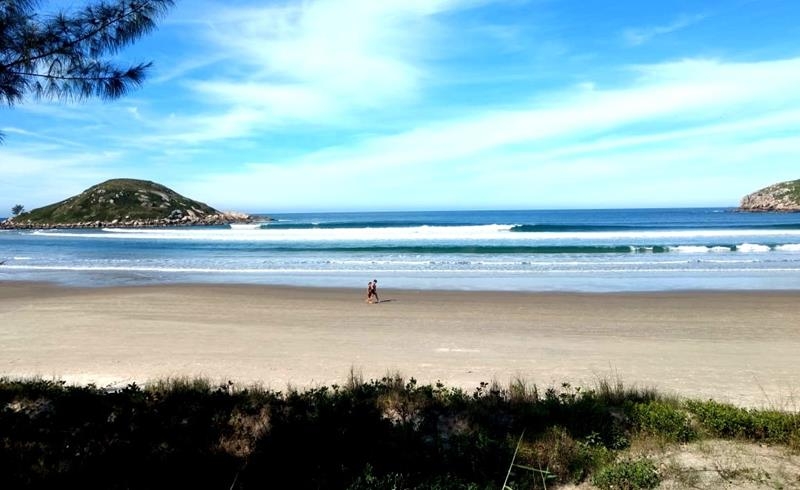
(739, 347)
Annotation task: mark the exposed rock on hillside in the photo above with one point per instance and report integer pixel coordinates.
(784, 196)
(124, 203)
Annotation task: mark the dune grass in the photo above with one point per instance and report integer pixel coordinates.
(391, 433)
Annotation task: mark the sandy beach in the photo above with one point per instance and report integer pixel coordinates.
(739, 347)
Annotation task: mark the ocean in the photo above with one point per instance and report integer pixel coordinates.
(615, 250)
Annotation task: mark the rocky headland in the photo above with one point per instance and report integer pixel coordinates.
(124, 203)
(783, 196)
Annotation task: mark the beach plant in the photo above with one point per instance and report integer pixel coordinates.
(662, 419)
(391, 432)
(396, 481)
(615, 392)
(759, 425)
(555, 456)
(628, 475)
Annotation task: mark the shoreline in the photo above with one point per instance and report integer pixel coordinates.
(733, 346)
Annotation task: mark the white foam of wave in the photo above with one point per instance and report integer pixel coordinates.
(729, 261)
(477, 234)
(509, 263)
(671, 270)
(789, 247)
(692, 249)
(753, 248)
(376, 262)
(720, 249)
(423, 272)
(641, 234)
(187, 270)
(242, 226)
(22, 258)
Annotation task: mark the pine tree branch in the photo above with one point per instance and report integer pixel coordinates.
(73, 78)
(66, 47)
(98, 79)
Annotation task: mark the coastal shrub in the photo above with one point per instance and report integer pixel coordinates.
(396, 481)
(520, 391)
(92, 438)
(664, 420)
(616, 393)
(557, 456)
(628, 475)
(759, 425)
(387, 433)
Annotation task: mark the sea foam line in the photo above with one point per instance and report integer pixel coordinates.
(460, 233)
(422, 272)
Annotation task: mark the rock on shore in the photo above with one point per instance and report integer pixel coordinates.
(784, 196)
(219, 218)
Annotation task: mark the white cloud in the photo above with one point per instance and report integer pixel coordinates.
(724, 111)
(43, 174)
(638, 36)
(276, 101)
(687, 90)
(326, 62)
(42, 137)
(337, 54)
(357, 76)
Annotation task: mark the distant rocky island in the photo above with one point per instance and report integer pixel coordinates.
(784, 196)
(124, 203)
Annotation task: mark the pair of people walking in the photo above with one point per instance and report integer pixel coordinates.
(372, 292)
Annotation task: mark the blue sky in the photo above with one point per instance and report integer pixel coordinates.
(344, 105)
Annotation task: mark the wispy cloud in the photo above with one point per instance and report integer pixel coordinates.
(43, 171)
(347, 104)
(42, 137)
(332, 55)
(642, 35)
(714, 102)
(323, 63)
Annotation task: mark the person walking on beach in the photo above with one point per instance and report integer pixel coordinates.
(369, 292)
(374, 290)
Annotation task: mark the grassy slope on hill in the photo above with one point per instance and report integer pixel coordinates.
(793, 190)
(789, 189)
(121, 199)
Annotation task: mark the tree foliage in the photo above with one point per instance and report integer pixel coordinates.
(63, 56)
(17, 209)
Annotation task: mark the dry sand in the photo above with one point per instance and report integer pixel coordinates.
(739, 347)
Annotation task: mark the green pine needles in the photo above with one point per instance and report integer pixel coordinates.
(65, 56)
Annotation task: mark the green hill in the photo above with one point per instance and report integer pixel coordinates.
(783, 196)
(126, 202)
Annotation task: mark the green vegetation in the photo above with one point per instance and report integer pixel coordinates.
(659, 418)
(118, 199)
(783, 196)
(757, 425)
(17, 208)
(382, 434)
(628, 475)
(792, 190)
(789, 191)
